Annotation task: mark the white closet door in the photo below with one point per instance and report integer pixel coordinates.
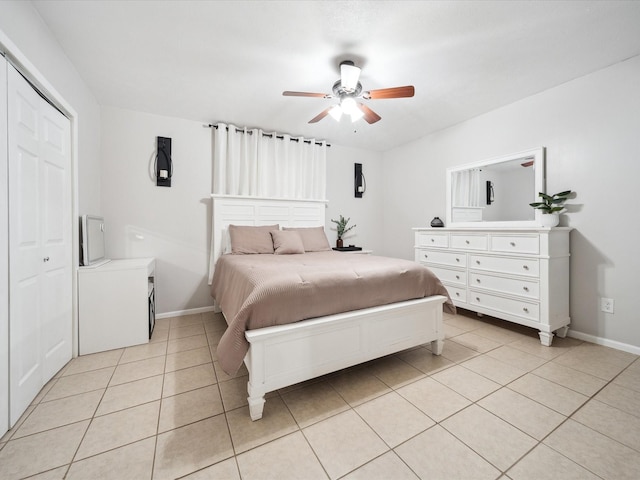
(40, 321)
(4, 255)
(55, 235)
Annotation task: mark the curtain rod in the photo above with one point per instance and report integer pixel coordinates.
(270, 135)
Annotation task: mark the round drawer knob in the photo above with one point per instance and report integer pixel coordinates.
(467, 242)
(513, 244)
(457, 294)
(526, 289)
(426, 256)
(526, 267)
(478, 280)
(45, 259)
(478, 262)
(457, 259)
(457, 277)
(478, 299)
(525, 310)
(433, 240)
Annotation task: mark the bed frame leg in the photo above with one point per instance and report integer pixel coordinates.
(436, 347)
(256, 402)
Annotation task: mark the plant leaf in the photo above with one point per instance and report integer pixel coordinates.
(546, 197)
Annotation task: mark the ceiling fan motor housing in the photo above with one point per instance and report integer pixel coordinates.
(339, 91)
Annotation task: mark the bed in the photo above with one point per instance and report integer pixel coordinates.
(278, 353)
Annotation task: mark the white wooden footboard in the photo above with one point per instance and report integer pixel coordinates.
(288, 354)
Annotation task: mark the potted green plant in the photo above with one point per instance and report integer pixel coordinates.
(341, 227)
(551, 206)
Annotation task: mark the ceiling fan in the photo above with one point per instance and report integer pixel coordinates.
(348, 89)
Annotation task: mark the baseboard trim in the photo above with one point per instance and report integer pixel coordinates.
(182, 313)
(605, 342)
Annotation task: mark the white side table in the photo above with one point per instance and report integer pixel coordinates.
(113, 304)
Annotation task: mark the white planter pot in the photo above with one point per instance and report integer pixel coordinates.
(549, 219)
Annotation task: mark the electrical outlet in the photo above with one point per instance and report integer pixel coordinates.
(606, 305)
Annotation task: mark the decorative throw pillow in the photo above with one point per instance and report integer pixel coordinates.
(286, 243)
(313, 238)
(245, 239)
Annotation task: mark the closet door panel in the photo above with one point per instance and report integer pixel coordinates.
(56, 242)
(4, 255)
(25, 259)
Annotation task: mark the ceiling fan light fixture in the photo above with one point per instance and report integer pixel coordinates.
(348, 105)
(336, 112)
(356, 115)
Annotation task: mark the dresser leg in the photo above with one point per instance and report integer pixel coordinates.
(562, 332)
(436, 347)
(546, 338)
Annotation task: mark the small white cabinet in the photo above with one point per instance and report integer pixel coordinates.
(115, 304)
(520, 275)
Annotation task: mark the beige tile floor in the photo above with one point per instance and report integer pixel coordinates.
(496, 404)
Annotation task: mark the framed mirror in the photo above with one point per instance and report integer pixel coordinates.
(496, 192)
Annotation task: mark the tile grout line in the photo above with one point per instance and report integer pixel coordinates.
(570, 417)
(75, 453)
(157, 435)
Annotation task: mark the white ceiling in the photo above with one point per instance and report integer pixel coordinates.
(229, 61)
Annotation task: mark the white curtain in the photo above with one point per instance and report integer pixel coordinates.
(251, 162)
(466, 188)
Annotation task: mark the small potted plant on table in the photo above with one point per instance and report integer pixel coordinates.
(341, 227)
(551, 206)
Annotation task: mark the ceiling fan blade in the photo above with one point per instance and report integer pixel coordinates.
(395, 92)
(320, 116)
(306, 94)
(369, 115)
(349, 76)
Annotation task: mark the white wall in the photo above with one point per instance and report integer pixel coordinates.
(24, 27)
(365, 212)
(591, 129)
(173, 224)
(143, 220)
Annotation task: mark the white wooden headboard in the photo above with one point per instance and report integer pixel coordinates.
(239, 210)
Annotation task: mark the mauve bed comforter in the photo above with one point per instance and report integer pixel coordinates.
(256, 291)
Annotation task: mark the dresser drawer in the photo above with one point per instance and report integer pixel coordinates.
(457, 294)
(529, 267)
(428, 239)
(469, 242)
(530, 311)
(520, 287)
(441, 258)
(446, 275)
(515, 244)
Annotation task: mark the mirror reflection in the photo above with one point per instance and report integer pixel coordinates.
(497, 190)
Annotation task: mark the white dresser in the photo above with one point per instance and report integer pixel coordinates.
(516, 274)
